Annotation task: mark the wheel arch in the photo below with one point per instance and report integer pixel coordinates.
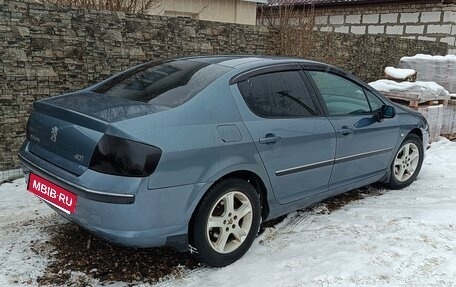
(416, 131)
(394, 183)
(253, 178)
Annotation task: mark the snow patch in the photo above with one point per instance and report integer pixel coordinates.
(22, 218)
(429, 57)
(400, 74)
(426, 90)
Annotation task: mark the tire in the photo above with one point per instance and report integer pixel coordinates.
(406, 163)
(233, 208)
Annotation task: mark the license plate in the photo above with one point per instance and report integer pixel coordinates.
(52, 193)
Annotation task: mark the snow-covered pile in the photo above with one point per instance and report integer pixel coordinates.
(430, 58)
(440, 69)
(424, 90)
(400, 74)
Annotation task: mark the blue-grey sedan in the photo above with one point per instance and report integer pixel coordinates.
(193, 153)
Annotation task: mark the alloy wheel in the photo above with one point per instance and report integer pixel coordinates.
(406, 162)
(229, 222)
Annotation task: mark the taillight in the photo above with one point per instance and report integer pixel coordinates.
(119, 156)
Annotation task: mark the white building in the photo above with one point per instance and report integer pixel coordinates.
(231, 11)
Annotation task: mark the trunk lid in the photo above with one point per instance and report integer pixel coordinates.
(65, 130)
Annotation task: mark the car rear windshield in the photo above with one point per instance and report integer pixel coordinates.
(169, 83)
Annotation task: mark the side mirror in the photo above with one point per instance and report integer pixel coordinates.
(388, 112)
(385, 112)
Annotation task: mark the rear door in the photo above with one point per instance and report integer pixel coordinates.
(295, 141)
(364, 144)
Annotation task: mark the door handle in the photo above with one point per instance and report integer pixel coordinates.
(270, 139)
(345, 131)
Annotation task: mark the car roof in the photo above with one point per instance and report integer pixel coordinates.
(236, 61)
(242, 65)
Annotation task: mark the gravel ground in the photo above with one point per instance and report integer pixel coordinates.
(79, 251)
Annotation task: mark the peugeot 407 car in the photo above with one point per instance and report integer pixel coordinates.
(193, 153)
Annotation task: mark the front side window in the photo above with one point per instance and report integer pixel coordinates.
(341, 96)
(168, 84)
(375, 102)
(278, 95)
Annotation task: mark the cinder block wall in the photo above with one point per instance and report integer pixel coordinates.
(47, 50)
(430, 22)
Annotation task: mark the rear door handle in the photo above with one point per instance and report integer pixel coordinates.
(345, 131)
(270, 139)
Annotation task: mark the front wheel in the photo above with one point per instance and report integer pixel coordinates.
(407, 162)
(226, 222)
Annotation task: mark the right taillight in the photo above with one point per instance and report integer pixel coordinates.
(119, 156)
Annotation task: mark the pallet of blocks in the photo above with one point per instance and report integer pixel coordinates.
(412, 94)
(439, 69)
(434, 117)
(429, 98)
(449, 119)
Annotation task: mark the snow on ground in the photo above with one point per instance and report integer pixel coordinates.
(399, 238)
(21, 219)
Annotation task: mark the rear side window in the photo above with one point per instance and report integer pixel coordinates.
(168, 84)
(278, 95)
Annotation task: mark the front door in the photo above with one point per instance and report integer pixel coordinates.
(295, 140)
(364, 144)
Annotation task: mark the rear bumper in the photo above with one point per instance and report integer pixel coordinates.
(28, 166)
(139, 217)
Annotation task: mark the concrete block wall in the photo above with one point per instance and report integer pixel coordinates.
(428, 22)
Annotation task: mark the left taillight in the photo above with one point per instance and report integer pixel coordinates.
(119, 156)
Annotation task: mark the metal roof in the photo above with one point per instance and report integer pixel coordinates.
(347, 2)
(257, 1)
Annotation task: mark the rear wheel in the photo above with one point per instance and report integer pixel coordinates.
(407, 163)
(226, 222)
